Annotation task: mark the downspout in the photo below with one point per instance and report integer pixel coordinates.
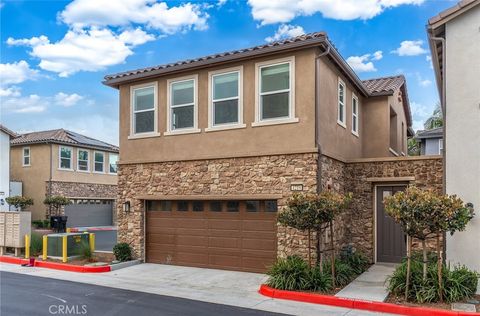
(443, 104)
(317, 113)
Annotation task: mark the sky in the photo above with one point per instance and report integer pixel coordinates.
(54, 54)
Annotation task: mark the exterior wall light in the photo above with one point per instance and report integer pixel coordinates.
(126, 207)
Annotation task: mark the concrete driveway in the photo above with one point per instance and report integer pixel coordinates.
(207, 285)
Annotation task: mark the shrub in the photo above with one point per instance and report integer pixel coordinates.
(291, 273)
(19, 201)
(122, 252)
(36, 244)
(356, 260)
(318, 281)
(458, 283)
(344, 273)
(37, 224)
(56, 202)
(85, 251)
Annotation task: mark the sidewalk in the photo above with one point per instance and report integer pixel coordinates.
(207, 285)
(370, 285)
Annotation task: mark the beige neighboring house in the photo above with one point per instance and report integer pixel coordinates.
(455, 43)
(213, 147)
(61, 162)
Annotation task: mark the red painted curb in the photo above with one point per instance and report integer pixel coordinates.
(357, 304)
(56, 265)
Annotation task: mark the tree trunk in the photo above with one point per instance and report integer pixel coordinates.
(439, 269)
(319, 249)
(309, 248)
(333, 253)
(409, 252)
(424, 248)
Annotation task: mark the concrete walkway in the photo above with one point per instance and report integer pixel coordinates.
(370, 285)
(207, 285)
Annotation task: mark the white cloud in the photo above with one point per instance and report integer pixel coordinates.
(410, 48)
(85, 50)
(221, 3)
(67, 100)
(420, 114)
(29, 104)
(12, 91)
(283, 11)
(286, 31)
(364, 63)
(428, 58)
(423, 82)
(17, 72)
(154, 14)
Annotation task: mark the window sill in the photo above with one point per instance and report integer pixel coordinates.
(342, 124)
(182, 132)
(145, 135)
(84, 171)
(225, 127)
(403, 154)
(99, 172)
(355, 134)
(26, 166)
(276, 122)
(65, 169)
(393, 152)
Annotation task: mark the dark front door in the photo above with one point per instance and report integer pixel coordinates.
(391, 240)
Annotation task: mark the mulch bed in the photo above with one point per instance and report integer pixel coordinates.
(447, 306)
(98, 257)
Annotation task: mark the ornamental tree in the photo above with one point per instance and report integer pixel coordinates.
(56, 202)
(19, 201)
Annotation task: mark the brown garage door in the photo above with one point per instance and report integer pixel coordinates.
(232, 235)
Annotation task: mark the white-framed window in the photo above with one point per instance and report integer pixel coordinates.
(182, 105)
(275, 93)
(144, 109)
(26, 156)
(83, 160)
(112, 163)
(341, 113)
(99, 162)
(355, 114)
(225, 95)
(440, 146)
(65, 157)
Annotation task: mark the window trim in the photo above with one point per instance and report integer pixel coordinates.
(355, 115)
(103, 162)
(283, 120)
(118, 157)
(186, 130)
(240, 123)
(60, 158)
(440, 146)
(29, 156)
(155, 132)
(88, 160)
(342, 122)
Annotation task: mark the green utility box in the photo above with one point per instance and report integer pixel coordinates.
(74, 241)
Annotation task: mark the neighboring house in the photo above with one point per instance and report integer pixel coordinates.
(454, 37)
(212, 148)
(430, 141)
(61, 162)
(5, 136)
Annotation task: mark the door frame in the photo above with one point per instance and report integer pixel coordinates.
(375, 186)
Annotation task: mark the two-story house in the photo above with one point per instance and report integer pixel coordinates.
(61, 162)
(212, 148)
(430, 141)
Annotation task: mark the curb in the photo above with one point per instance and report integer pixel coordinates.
(91, 229)
(357, 304)
(57, 266)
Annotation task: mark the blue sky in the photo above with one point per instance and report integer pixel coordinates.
(54, 54)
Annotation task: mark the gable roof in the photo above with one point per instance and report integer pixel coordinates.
(452, 12)
(11, 133)
(430, 133)
(316, 39)
(62, 136)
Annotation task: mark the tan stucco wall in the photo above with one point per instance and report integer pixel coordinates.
(335, 139)
(285, 138)
(376, 119)
(34, 177)
(397, 106)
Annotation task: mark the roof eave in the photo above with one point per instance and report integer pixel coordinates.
(113, 150)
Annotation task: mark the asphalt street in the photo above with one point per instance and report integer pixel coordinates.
(29, 295)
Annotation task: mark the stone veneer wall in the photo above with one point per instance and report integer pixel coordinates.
(359, 224)
(230, 176)
(83, 190)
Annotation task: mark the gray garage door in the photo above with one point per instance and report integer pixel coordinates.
(86, 213)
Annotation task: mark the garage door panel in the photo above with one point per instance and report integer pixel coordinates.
(225, 261)
(224, 242)
(258, 225)
(222, 224)
(190, 258)
(160, 222)
(258, 244)
(162, 238)
(221, 233)
(194, 223)
(191, 232)
(189, 240)
(89, 214)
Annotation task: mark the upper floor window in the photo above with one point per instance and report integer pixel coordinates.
(226, 103)
(26, 156)
(112, 163)
(83, 160)
(275, 99)
(182, 105)
(341, 103)
(144, 108)
(355, 115)
(65, 157)
(99, 162)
